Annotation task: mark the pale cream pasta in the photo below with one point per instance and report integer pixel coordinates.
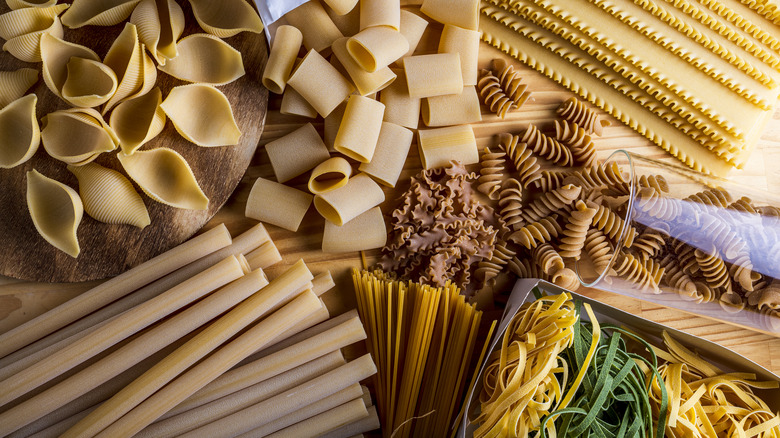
(365, 82)
(20, 134)
(89, 83)
(206, 59)
(380, 13)
(342, 205)
(77, 135)
(277, 204)
(452, 109)
(441, 145)
(284, 52)
(296, 152)
(226, 18)
(19, 4)
(400, 107)
(160, 23)
(341, 7)
(367, 231)
(137, 121)
(465, 43)
(433, 75)
(461, 13)
(359, 129)
(13, 84)
(349, 23)
(320, 83)
(55, 54)
(202, 115)
(390, 155)
(412, 28)
(331, 125)
(109, 197)
(315, 24)
(56, 211)
(135, 70)
(330, 175)
(98, 12)
(23, 29)
(376, 47)
(294, 104)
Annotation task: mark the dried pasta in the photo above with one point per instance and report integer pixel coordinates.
(546, 146)
(599, 249)
(526, 164)
(277, 204)
(89, 83)
(433, 75)
(510, 202)
(137, 121)
(13, 84)
(341, 7)
(364, 232)
(284, 51)
(109, 197)
(55, 54)
(160, 23)
(465, 43)
(452, 109)
(56, 211)
(320, 83)
(551, 202)
(400, 108)
(19, 4)
(77, 135)
(535, 233)
(226, 18)
(377, 47)
(23, 29)
(461, 13)
(330, 175)
(646, 276)
(366, 82)
(412, 28)
(439, 146)
(390, 154)
(547, 258)
(20, 133)
(575, 111)
(297, 152)
(134, 69)
(576, 229)
(342, 205)
(582, 148)
(611, 224)
(489, 269)
(202, 115)
(502, 94)
(294, 104)
(204, 58)
(491, 171)
(359, 130)
(380, 13)
(317, 28)
(98, 12)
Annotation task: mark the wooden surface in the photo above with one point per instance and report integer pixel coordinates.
(20, 301)
(26, 255)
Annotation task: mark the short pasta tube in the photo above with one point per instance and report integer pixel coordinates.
(320, 83)
(376, 47)
(452, 109)
(341, 7)
(441, 145)
(461, 13)
(366, 231)
(284, 50)
(412, 28)
(296, 152)
(465, 43)
(400, 108)
(315, 24)
(433, 75)
(365, 82)
(342, 205)
(277, 204)
(390, 155)
(294, 104)
(359, 129)
(380, 13)
(330, 175)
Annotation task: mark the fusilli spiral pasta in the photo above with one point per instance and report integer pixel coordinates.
(579, 142)
(551, 202)
(573, 239)
(522, 157)
(538, 232)
(547, 258)
(547, 147)
(574, 110)
(510, 203)
(491, 172)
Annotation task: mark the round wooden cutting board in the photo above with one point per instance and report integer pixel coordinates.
(108, 250)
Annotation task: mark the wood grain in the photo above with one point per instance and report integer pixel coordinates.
(108, 250)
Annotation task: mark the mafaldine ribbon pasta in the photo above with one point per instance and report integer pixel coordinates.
(109, 197)
(20, 134)
(138, 120)
(77, 135)
(134, 69)
(56, 211)
(13, 84)
(226, 18)
(98, 12)
(166, 177)
(202, 115)
(204, 58)
(55, 53)
(23, 29)
(89, 83)
(160, 23)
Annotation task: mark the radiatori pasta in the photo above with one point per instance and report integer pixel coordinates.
(465, 43)
(346, 203)
(160, 23)
(20, 134)
(138, 120)
(330, 175)
(452, 109)
(98, 12)
(365, 82)
(320, 83)
(77, 135)
(56, 211)
(376, 47)
(400, 108)
(204, 58)
(440, 146)
(226, 18)
(359, 129)
(23, 29)
(318, 29)
(390, 154)
(367, 231)
(284, 51)
(297, 152)
(433, 75)
(13, 84)
(202, 115)
(109, 197)
(277, 204)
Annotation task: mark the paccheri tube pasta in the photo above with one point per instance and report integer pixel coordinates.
(294, 104)
(366, 82)
(366, 231)
(346, 203)
(297, 152)
(452, 109)
(330, 175)
(465, 43)
(284, 49)
(400, 107)
(320, 83)
(317, 28)
(433, 75)
(277, 204)
(441, 145)
(392, 148)
(359, 129)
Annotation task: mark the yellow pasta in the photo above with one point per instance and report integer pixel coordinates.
(465, 43)
(134, 69)
(390, 154)
(98, 12)
(55, 54)
(165, 176)
(89, 83)
(284, 50)
(20, 134)
(366, 231)
(400, 107)
(277, 204)
(386, 13)
(13, 84)
(365, 82)
(452, 109)
(440, 146)
(77, 136)
(294, 104)
(202, 115)
(19, 4)
(205, 59)
(349, 23)
(109, 197)
(23, 29)
(160, 23)
(341, 7)
(376, 47)
(296, 152)
(56, 212)
(331, 125)
(412, 28)
(330, 175)
(320, 83)
(359, 129)
(138, 120)
(433, 75)
(342, 205)
(317, 28)
(226, 18)
(461, 13)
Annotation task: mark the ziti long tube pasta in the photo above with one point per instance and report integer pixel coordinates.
(113, 289)
(278, 291)
(441, 145)
(263, 256)
(452, 109)
(465, 43)
(377, 47)
(366, 82)
(212, 411)
(433, 75)
(392, 148)
(241, 244)
(297, 152)
(289, 401)
(400, 108)
(461, 13)
(367, 231)
(359, 129)
(284, 49)
(129, 354)
(217, 363)
(342, 205)
(329, 175)
(359, 427)
(121, 328)
(384, 13)
(277, 204)
(320, 83)
(317, 28)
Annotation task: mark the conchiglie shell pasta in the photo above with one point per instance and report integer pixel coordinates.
(23, 29)
(166, 177)
(20, 134)
(204, 58)
(226, 18)
(160, 24)
(138, 120)
(202, 115)
(77, 136)
(98, 12)
(13, 84)
(55, 54)
(133, 67)
(56, 210)
(109, 197)
(89, 83)
(19, 4)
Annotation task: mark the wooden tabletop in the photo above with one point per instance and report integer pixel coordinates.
(20, 301)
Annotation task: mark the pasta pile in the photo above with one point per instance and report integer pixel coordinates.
(501, 89)
(132, 110)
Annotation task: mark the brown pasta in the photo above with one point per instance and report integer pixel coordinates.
(551, 202)
(491, 173)
(713, 269)
(547, 147)
(655, 181)
(511, 82)
(551, 179)
(599, 249)
(547, 258)
(576, 229)
(510, 204)
(574, 110)
(608, 221)
(538, 232)
(522, 157)
(488, 270)
(717, 198)
(676, 278)
(731, 302)
(496, 99)
(716, 230)
(580, 143)
(601, 176)
(646, 275)
(649, 243)
(655, 204)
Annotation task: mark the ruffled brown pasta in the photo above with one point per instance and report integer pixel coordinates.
(550, 202)
(582, 147)
(522, 157)
(547, 147)
(491, 172)
(574, 110)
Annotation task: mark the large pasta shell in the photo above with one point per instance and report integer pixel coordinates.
(109, 197)
(56, 210)
(13, 84)
(133, 67)
(166, 177)
(160, 24)
(138, 120)
(20, 134)
(77, 135)
(89, 83)
(202, 115)
(55, 54)
(23, 29)
(227, 17)
(19, 4)
(204, 58)
(98, 12)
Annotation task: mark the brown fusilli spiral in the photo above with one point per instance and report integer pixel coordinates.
(574, 110)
